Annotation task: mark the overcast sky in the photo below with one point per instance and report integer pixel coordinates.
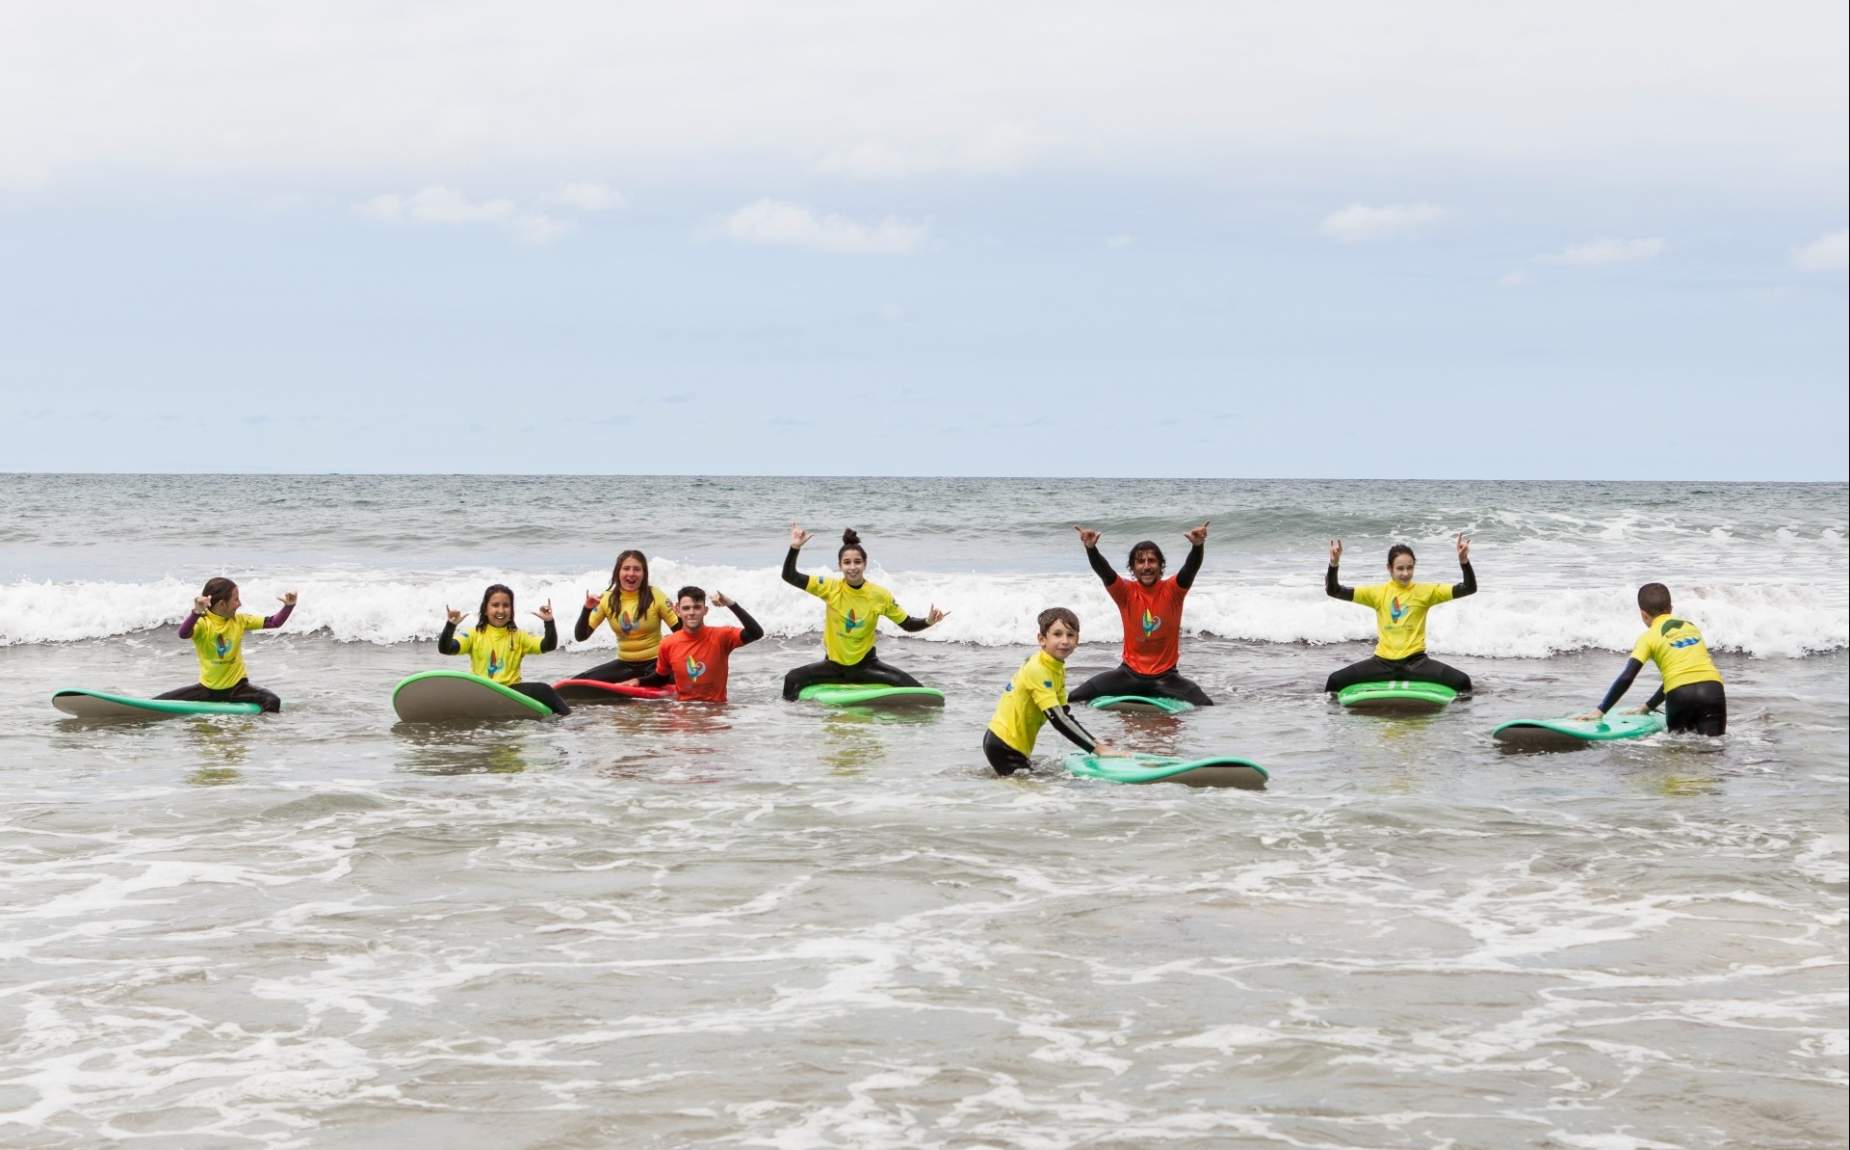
(1566, 241)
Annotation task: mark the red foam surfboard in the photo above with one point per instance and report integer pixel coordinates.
(591, 688)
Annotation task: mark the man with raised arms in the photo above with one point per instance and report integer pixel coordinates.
(1151, 609)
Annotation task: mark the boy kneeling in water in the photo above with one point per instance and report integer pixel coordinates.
(1692, 693)
(1036, 696)
(698, 657)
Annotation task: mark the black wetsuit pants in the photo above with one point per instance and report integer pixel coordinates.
(619, 671)
(1005, 759)
(1121, 680)
(868, 670)
(543, 693)
(1418, 668)
(1698, 707)
(239, 692)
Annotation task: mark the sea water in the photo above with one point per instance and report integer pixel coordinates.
(773, 925)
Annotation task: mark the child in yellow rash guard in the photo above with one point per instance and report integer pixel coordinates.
(1400, 607)
(1692, 692)
(217, 632)
(496, 646)
(1035, 697)
(636, 611)
(855, 607)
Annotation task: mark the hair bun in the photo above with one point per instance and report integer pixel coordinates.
(850, 538)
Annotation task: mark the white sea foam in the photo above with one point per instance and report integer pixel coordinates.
(1510, 620)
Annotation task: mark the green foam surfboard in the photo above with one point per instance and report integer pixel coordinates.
(1572, 734)
(1216, 772)
(1398, 695)
(870, 695)
(1143, 704)
(98, 705)
(460, 697)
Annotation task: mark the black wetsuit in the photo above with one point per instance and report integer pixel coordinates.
(1417, 667)
(1699, 707)
(1121, 680)
(617, 670)
(539, 692)
(239, 692)
(869, 670)
(1006, 760)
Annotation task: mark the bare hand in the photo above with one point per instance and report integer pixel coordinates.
(1589, 717)
(1336, 552)
(1087, 538)
(545, 612)
(934, 616)
(452, 614)
(1107, 751)
(287, 598)
(592, 599)
(798, 536)
(720, 600)
(1464, 549)
(1639, 710)
(1198, 537)
(201, 605)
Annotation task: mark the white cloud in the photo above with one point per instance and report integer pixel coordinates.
(1605, 252)
(539, 228)
(777, 223)
(1827, 253)
(437, 205)
(589, 197)
(1359, 222)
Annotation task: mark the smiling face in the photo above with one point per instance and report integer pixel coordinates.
(1059, 640)
(500, 609)
(1147, 566)
(693, 612)
(629, 574)
(228, 606)
(854, 566)
(1401, 569)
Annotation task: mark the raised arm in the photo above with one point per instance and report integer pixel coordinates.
(1100, 567)
(1467, 585)
(271, 622)
(792, 576)
(1197, 550)
(581, 630)
(1331, 587)
(446, 639)
(751, 632)
(550, 641)
(912, 623)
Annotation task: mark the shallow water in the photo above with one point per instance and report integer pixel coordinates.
(774, 925)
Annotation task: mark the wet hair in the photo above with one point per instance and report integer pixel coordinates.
(1046, 619)
(218, 589)
(1146, 545)
(1397, 551)
(850, 541)
(1654, 599)
(481, 615)
(642, 588)
(694, 593)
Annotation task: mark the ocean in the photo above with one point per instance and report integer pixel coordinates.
(773, 925)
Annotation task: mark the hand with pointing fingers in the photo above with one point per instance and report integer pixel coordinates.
(592, 599)
(1198, 536)
(545, 612)
(201, 605)
(287, 598)
(452, 614)
(1464, 548)
(720, 600)
(935, 616)
(1336, 552)
(1087, 537)
(798, 536)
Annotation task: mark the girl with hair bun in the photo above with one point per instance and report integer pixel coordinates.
(854, 607)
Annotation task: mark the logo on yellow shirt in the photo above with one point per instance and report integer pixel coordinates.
(223, 647)
(850, 622)
(1395, 611)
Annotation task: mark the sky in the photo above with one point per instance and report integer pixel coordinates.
(1437, 240)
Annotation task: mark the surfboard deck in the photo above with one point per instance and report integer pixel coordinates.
(1573, 734)
(1141, 704)
(1224, 771)
(82, 704)
(1397, 696)
(595, 691)
(870, 695)
(460, 697)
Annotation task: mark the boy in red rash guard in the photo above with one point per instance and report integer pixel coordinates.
(1151, 608)
(697, 657)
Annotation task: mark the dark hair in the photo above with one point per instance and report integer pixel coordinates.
(1398, 550)
(218, 589)
(481, 615)
(1146, 545)
(850, 542)
(642, 588)
(694, 593)
(1052, 615)
(1654, 599)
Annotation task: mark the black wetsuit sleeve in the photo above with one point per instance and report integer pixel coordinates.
(1620, 685)
(676, 625)
(1191, 566)
(551, 640)
(1656, 700)
(1467, 585)
(791, 575)
(1101, 568)
(581, 630)
(913, 624)
(446, 641)
(1334, 589)
(751, 632)
(1062, 720)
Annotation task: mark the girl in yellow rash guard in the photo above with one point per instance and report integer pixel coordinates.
(636, 611)
(1400, 617)
(854, 609)
(496, 646)
(217, 632)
